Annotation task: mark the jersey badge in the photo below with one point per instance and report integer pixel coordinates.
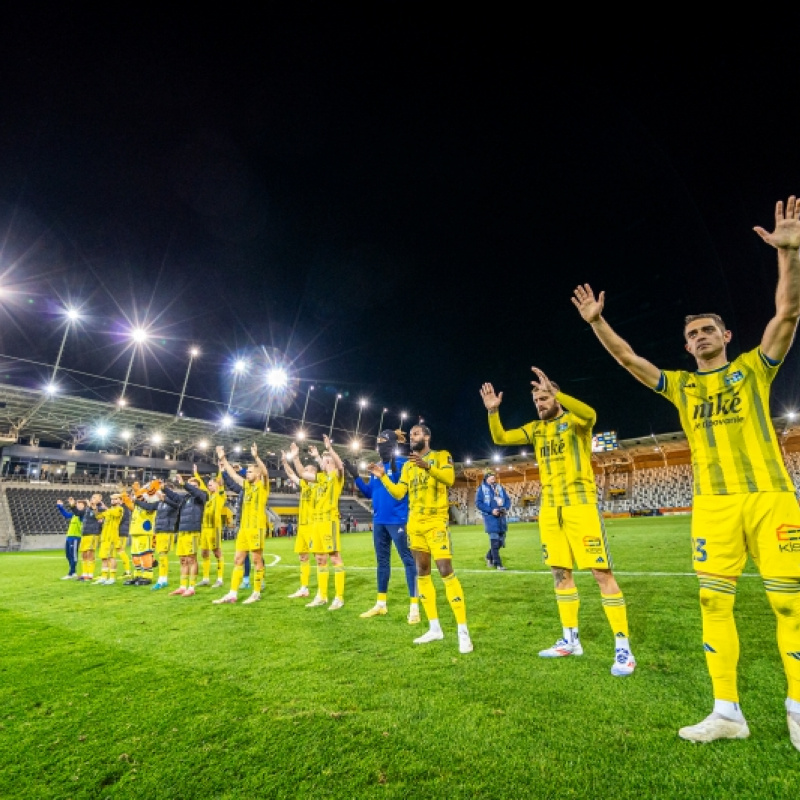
(562, 426)
(734, 377)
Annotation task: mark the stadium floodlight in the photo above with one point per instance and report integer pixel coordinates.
(496, 458)
(126, 435)
(301, 434)
(226, 421)
(361, 403)
(139, 335)
(277, 378)
(239, 366)
(355, 445)
(362, 465)
(102, 431)
(202, 444)
(523, 452)
(467, 460)
(156, 438)
(237, 448)
(303, 418)
(333, 416)
(51, 388)
(380, 424)
(122, 402)
(73, 315)
(194, 352)
(791, 414)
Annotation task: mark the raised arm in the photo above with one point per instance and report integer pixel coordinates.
(262, 467)
(304, 472)
(591, 310)
(397, 490)
(500, 435)
(229, 470)
(333, 454)
(781, 329)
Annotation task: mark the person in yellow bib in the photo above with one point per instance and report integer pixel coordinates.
(305, 515)
(570, 523)
(744, 500)
(425, 478)
(109, 538)
(325, 541)
(253, 524)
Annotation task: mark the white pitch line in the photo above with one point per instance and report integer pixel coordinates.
(544, 573)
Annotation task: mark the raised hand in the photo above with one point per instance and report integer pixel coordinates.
(543, 384)
(254, 450)
(377, 470)
(179, 478)
(220, 452)
(490, 399)
(589, 307)
(787, 226)
(326, 441)
(312, 451)
(294, 451)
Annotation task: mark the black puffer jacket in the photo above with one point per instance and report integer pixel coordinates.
(166, 514)
(191, 504)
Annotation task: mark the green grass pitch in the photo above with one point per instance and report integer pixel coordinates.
(121, 692)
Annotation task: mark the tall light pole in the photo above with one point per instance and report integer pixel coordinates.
(335, 403)
(277, 378)
(361, 403)
(403, 416)
(139, 336)
(73, 315)
(238, 368)
(380, 424)
(193, 353)
(301, 434)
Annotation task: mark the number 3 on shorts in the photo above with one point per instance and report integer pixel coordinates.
(699, 547)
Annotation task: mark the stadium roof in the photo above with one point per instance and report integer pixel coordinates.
(78, 421)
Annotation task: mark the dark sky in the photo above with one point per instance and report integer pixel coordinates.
(401, 204)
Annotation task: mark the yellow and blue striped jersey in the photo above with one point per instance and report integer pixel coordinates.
(212, 512)
(725, 415)
(253, 515)
(426, 488)
(328, 489)
(305, 512)
(563, 448)
(112, 517)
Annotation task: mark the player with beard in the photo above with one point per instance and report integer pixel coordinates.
(426, 478)
(570, 524)
(389, 521)
(744, 500)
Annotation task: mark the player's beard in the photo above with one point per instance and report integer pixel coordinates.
(418, 446)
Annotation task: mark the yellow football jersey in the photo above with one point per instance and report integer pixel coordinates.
(426, 489)
(212, 513)
(563, 448)
(305, 513)
(112, 517)
(725, 415)
(142, 522)
(254, 506)
(328, 489)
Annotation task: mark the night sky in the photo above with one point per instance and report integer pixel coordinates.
(400, 204)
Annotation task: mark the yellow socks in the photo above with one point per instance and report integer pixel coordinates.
(236, 578)
(382, 597)
(220, 568)
(616, 612)
(427, 596)
(305, 572)
(455, 596)
(569, 604)
(163, 566)
(784, 597)
(720, 639)
(338, 580)
(126, 562)
(184, 581)
(206, 567)
(322, 581)
(258, 579)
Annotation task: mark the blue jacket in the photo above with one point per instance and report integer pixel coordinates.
(385, 509)
(166, 513)
(192, 504)
(486, 499)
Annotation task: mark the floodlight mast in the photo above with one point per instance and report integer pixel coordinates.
(193, 353)
(73, 315)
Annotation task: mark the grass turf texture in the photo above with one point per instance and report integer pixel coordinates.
(122, 692)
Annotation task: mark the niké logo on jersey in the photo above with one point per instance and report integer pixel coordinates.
(552, 448)
(718, 405)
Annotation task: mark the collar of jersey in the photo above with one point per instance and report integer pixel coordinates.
(712, 371)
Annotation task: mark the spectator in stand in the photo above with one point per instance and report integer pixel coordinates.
(73, 543)
(492, 500)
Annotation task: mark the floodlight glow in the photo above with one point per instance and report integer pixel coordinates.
(240, 366)
(523, 452)
(194, 352)
(102, 431)
(237, 448)
(791, 414)
(51, 388)
(156, 438)
(495, 458)
(362, 465)
(122, 402)
(277, 378)
(126, 435)
(467, 461)
(202, 444)
(355, 445)
(176, 441)
(226, 421)
(139, 335)
(362, 402)
(73, 314)
(301, 435)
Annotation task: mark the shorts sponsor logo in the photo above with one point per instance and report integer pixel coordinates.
(795, 655)
(591, 541)
(708, 648)
(600, 560)
(788, 537)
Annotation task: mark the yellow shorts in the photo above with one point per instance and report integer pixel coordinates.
(250, 539)
(187, 544)
(108, 548)
(89, 543)
(302, 542)
(725, 528)
(430, 535)
(210, 539)
(163, 542)
(574, 535)
(324, 537)
(141, 543)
